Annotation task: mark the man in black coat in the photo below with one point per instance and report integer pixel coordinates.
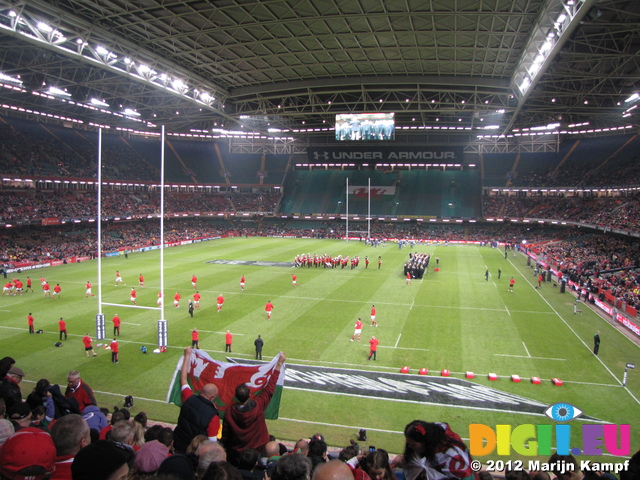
(10, 387)
(198, 414)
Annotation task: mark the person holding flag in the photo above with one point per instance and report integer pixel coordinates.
(244, 423)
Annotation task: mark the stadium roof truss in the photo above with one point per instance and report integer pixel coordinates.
(449, 69)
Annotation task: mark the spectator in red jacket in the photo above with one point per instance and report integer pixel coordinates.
(244, 424)
(79, 390)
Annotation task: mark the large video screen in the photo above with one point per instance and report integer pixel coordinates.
(365, 126)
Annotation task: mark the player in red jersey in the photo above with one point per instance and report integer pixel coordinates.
(62, 328)
(133, 294)
(512, 282)
(176, 299)
(88, 286)
(30, 323)
(196, 300)
(373, 316)
(141, 281)
(242, 282)
(88, 345)
(46, 288)
(228, 338)
(56, 291)
(268, 308)
(116, 325)
(194, 282)
(195, 338)
(294, 280)
(114, 351)
(220, 300)
(358, 330)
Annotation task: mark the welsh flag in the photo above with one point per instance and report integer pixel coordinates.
(227, 376)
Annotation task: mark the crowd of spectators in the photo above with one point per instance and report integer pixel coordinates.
(67, 436)
(620, 213)
(598, 261)
(29, 206)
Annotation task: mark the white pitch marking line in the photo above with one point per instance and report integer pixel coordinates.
(211, 331)
(508, 312)
(398, 341)
(526, 349)
(406, 348)
(536, 358)
(131, 306)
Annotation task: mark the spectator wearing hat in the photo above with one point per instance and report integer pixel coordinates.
(10, 386)
(20, 415)
(29, 453)
(94, 418)
(148, 459)
(79, 390)
(177, 466)
(102, 460)
(70, 434)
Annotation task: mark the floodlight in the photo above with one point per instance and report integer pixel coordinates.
(58, 92)
(99, 103)
(130, 112)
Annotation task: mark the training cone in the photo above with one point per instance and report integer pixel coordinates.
(535, 380)
(493, 376)
(557, 382)
(424, 371)
(515, 378)
(445, 373)
(470, 375)
(404, 370)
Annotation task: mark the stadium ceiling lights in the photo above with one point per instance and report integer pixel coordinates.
(556, 22)
(8, 78)
(57, 92)
(28, 23)
(99, 103)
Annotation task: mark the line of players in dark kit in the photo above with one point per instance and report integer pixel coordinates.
(418, 263)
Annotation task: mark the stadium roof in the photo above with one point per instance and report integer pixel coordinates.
(293, 64)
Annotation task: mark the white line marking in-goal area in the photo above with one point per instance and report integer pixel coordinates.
(526, 349)
(398, 341)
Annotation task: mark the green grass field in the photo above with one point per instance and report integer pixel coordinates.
(452, 319)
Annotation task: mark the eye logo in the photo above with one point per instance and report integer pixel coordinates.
(562, 412)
